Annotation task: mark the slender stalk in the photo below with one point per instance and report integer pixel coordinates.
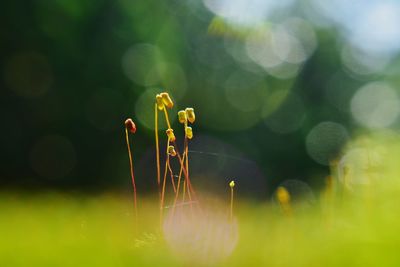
(231, 185)
(167, 118)
(189, 184)
(132, 172)
(181, 159)
(172, 175)
(187, 178)
(164, 185)
(231, 213)
(179, 181)
(184, 190)
(157, 145)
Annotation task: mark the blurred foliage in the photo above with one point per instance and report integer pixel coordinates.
(283, 85)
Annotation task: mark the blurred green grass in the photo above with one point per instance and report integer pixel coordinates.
(60, 230)
(354, 226)
(69, 230)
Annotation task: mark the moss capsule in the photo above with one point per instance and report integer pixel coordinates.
(130, 125)
(167, 100)
(190, 115)
(159, 101)
(171, 151)
(189, 132)
(182, 116)
(171, 135)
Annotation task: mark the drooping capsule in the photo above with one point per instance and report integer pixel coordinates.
(159, 101)
(171, 135)
(182, 116)
(189, 132)
(171, 151)
(190, 115)
(130, 125)
(167, 100)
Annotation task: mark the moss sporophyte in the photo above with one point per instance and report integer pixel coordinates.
(130, 127)
(183, 190)
(186, 221)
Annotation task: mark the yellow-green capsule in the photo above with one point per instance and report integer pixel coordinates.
(159, 101)
(171, 151)
(171, 135)
(189, 132)
(232, 184)
(182, 116)
(190, 115)
(167, 100)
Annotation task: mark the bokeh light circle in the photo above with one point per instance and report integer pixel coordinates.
(139, 61)
(207, 237)
(375, 105)
(358, 166)
(259, 48)
(170, 76)
(325, 140)
(281, 48)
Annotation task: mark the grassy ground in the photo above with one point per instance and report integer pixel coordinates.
(60, 230)
(351, 223)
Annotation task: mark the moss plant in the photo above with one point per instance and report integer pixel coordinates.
(231, 185)
(283, 196)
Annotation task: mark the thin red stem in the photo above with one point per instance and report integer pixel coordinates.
(132, 171)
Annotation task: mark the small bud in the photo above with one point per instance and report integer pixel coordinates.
(282, 195)
(159, 101)
(171, 135)
(189, 132)
(232, 184)
(167, 100)
(190, 115)
(171, 151)
(182, 116)
(130, 125)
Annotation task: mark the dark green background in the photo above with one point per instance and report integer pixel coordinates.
(67, 82)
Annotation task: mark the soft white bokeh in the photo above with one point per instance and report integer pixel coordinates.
(205, 236)
(375, 105)
(359, 166)
(246, 13)
(280, 49)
